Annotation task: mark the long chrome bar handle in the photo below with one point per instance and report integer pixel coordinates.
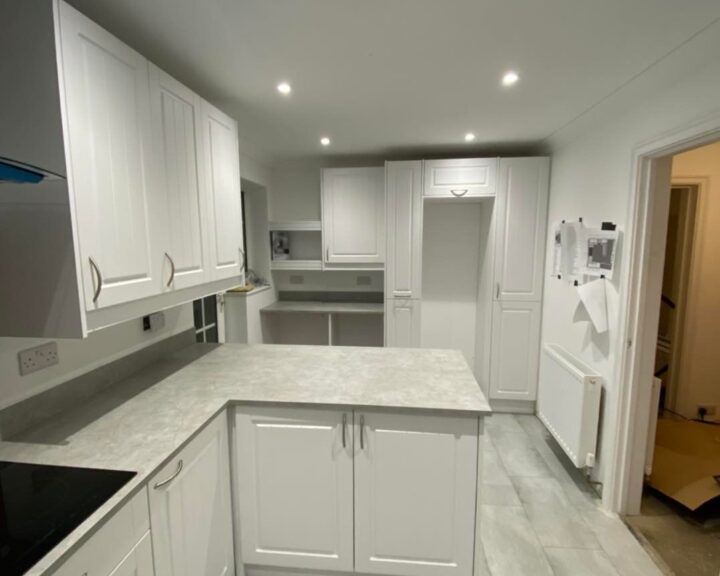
(99, 283)
(159, 485)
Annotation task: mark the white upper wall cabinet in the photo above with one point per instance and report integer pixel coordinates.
(521, 223)
(295, 487)
(404, 201)
(108, 119)
(415, 493)
(176, 134)
(222, 178)
(460, 178)
(353, 215)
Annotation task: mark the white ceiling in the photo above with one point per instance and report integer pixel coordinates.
(388, 77)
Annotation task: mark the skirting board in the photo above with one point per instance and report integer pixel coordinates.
(513, 406)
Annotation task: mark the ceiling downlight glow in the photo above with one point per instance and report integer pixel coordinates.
(325, 141)
(469, 137)
(510, 78)
(284, 88)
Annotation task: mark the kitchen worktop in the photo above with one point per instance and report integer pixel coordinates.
(325, 307)
(140, 423)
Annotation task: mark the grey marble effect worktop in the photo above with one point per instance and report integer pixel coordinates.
(324, 307)
(140, 423)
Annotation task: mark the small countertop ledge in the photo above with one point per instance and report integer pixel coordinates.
(324, 307)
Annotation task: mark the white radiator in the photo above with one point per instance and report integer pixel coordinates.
(569, 403)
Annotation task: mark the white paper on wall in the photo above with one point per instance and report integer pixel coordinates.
(572, 235)
(600, 247)
(594, 298)
(557, 250)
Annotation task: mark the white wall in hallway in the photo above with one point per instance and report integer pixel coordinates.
(698, 378)
(591, 177)
(80, 356)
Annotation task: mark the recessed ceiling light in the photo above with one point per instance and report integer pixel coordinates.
(325, 141)
(510, 77)
(469, 137)
(284, 88)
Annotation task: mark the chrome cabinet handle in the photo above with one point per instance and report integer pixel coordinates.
(402, 293)
(459, 193)
(344, 430)
(497, 291)
(172, 270)
(162, 483)
(362, 432)
(99, 285)
(327, 254)
(242, 257)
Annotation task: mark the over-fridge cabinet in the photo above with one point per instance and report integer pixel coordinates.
(515, 190)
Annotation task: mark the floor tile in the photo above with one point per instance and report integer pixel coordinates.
(510, 544)
(495, 495)
(518, 455)
(493, 470)
(556, 522)
(574, 562)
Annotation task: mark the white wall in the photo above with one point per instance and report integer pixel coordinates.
(698, 378)
(80, 356)
(591, 177)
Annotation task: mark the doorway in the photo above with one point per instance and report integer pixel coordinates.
(678, 507)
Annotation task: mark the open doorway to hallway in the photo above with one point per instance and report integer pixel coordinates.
(680, 511)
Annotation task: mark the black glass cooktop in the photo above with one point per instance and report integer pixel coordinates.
(40, 505)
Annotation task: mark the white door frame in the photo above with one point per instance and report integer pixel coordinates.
(623, 486)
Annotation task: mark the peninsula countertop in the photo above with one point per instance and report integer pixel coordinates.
(140, 423)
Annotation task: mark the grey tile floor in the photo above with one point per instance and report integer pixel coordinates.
(538, 517)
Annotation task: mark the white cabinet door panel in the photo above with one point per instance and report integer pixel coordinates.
(190, 508)
(515, 350)
(222, 178)
(139, 562)
(415, 493)
(176, 126)
(353, 214)
(108, 117)
(295, 487)
(402, 323)
(521, 224)
(461, 178)
(403, 187)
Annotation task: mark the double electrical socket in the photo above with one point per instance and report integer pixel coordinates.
(38, 358)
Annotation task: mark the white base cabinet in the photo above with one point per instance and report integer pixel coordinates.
(402, 323)
(415, 488)
(366, 492)
(190, 508)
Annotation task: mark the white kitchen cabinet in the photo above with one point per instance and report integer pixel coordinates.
(222, 178)
(108, 121)
(415, 494)
(404, 201)
(402, 323)
(521, 223)
(515, 350)
(190, 508)
(460, 178)
(121, 547)
(294, 474)
(176, 142)
(353, 216)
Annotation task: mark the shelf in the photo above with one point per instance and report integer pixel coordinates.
(296, 226)
(296, 265)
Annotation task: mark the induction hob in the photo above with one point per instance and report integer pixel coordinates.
(40, 505)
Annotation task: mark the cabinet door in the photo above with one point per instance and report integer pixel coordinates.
(190, 508)
(353, 214)
(295, 487)
(402, 323)
(222, 178)
(139, 562)
(515, 350)
(176, 138)
(521, 223)
(415, 490)
(461, 178)
(403, 187)
(108, 119)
